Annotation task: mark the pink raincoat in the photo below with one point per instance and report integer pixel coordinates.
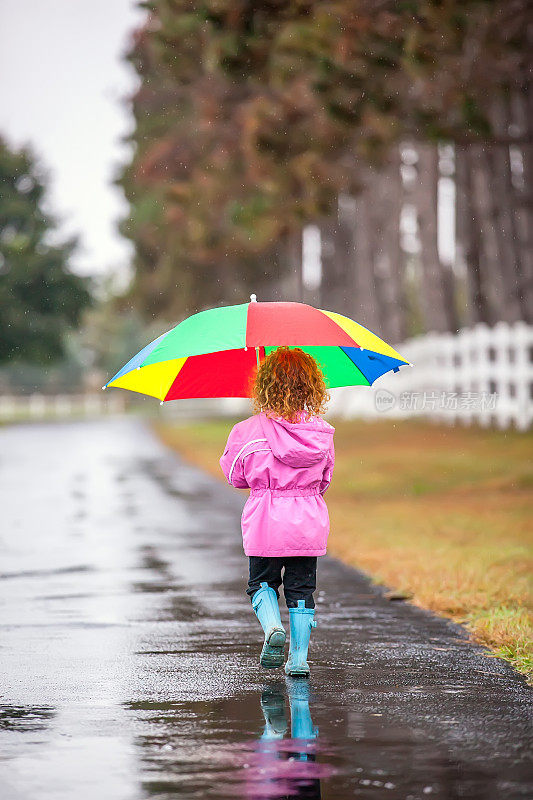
(288, 467)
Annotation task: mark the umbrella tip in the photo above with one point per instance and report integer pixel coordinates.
(104, 388)
(161, 403)
(253, 298)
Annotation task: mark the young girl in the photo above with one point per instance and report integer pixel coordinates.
(284, 454)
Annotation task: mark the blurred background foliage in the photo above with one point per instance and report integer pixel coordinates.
(253, 119)
(60, 331)
(39, 295)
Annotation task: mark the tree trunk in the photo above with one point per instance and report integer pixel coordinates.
(484, 210)
(388, 254)
(479, 306)
(292, 285)
(437, 281)
(342, 299)
(337, 287)
(463, 235)
(522, 118)
(365, 300)
(507, 227)
(333, 256)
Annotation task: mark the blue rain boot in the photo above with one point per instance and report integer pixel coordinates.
(273, 708)
(301, 620)
(301, 723)
(265, 605)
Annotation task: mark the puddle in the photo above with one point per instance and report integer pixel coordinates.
(285, 742)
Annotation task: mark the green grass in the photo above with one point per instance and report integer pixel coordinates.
(440, 513)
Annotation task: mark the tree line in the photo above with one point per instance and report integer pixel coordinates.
(255, 120)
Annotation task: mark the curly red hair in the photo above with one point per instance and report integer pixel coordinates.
(289, 382)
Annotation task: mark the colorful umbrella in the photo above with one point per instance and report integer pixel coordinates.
(214, 353)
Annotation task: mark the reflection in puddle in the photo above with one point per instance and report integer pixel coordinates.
(260, 746)
(280, 743)
(281, 766)
(25, 719)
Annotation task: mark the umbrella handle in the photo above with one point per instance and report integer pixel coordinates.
(253, 299)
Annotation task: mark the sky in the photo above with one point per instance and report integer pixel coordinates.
(62, 90)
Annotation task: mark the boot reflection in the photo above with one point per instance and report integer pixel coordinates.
(273, 708)
(285, 768)
(302, 728)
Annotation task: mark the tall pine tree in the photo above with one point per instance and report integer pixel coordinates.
(40, 297)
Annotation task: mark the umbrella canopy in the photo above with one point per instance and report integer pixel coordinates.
(214, 353)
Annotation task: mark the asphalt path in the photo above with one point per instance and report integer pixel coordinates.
(129, 652)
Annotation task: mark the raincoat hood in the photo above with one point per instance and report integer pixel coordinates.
(298, 444)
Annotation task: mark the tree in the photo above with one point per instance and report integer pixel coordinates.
(253, 118)
(40, 297)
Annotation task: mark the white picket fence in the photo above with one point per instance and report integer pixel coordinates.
(15, 408)
(480, 375)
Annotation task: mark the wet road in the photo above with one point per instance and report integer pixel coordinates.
(128, 651)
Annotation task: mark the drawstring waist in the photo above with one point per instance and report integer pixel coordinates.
(294, 492)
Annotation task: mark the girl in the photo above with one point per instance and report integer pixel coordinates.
(285, 455)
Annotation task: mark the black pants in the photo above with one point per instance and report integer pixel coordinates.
(299, 577)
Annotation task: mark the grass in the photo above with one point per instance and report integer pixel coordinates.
(442, 514)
